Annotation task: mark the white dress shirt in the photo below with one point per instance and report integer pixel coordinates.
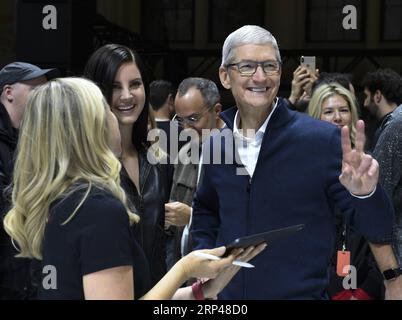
(248, 148)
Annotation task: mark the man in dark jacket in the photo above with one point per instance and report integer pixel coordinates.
(388, 152)
(197, 106)
(289, 169)
(383, 94)
(16, 82)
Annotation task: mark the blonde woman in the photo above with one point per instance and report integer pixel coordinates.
(335, 104)
(69, 210)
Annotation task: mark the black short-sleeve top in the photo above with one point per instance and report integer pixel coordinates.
(97, 238)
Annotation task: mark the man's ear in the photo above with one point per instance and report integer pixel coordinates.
(218, 109)
(170, 101)
(8, 92)
(377, 96)
(224, 77)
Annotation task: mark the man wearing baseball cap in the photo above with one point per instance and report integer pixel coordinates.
(17, 80)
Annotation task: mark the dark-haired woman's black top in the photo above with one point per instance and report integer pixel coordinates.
(97, 238)
(149, 203)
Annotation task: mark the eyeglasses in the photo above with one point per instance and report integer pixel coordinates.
(249, 67)
(190, 120)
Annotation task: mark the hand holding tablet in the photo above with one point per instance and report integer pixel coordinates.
(269, 237)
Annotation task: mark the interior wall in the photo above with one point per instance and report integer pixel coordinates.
(284, 18)
(7, 31)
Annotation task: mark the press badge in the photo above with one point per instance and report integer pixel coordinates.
(342, 262)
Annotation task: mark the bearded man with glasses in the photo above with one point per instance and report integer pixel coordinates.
(289, 169)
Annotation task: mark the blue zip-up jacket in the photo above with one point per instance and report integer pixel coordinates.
(296, 181)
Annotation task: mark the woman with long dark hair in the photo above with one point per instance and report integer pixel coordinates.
(121, 75)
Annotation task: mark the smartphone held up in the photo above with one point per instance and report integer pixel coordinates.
(309, 63)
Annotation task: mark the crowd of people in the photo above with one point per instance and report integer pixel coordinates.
(85, 190)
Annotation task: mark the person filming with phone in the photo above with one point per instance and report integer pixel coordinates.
(288, 169)
(303, 80)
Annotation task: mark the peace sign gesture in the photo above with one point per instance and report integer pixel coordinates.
(359, 170)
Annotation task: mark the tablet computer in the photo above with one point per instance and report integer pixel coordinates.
(269, 237)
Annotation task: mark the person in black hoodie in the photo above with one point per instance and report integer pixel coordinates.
(17, 80)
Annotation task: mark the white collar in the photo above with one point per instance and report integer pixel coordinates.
(260, 133)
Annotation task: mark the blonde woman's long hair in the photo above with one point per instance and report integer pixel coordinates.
(328, 90)
(62, 148)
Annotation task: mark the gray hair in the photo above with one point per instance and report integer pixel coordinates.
(248, 34)
(208, 89)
